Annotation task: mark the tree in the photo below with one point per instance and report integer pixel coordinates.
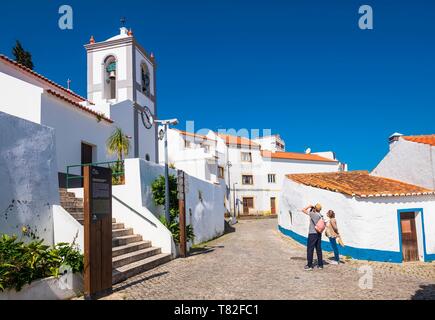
(22, 56)
(118, 143)
(158, 190)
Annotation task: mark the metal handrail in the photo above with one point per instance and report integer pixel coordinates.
(135, 211)
(72, 177)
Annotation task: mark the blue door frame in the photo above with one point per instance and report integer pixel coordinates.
(426, 257)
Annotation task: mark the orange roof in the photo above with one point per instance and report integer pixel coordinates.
(240, 141)
(78, 105)
(359, 184)
(40, 77)
(426, 139)
(194, 135)
(295, 156)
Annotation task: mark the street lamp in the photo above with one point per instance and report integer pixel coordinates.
(234, 194)
(164, 135)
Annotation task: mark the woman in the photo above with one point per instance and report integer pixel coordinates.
(332, 234)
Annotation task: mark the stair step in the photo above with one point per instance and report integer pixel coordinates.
(74, 209)
(135, 256)
(69, 203)
(122, 273)
(122, 232)
(116, 226)
(67, 194)
(77, 215)
(122, 241)
(131, 247)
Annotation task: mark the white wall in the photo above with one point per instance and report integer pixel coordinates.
(20, 98)
(132, 204)
(369, 227)
(71, 128)
(205, 209)
(28, 177)
(409, 162)
(207, 217)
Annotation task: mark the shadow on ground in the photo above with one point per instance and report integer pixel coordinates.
(203, 250)
(426, 292)
(229, 228)
(129, 284)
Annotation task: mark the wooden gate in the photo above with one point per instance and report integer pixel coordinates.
(248, 203)
(409, 236)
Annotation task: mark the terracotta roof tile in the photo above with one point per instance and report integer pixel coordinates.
(359, 184)
(194, 135)
(78, 105)
(41, 77)
(240, 141)
(295, 156)
(426, 139)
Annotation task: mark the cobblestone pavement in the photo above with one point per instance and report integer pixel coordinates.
(257, 262)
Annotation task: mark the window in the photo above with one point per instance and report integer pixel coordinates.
(110, 72)
(221, 172)
(146, 80)
(271, 178)
(247, 179)
(246, 157)
(187, 144)
(206, 148)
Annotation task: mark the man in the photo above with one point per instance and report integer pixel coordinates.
(314, 237)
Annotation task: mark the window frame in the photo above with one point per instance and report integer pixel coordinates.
(247, 175)
(242, 153)
(269, 176)
(221, 172)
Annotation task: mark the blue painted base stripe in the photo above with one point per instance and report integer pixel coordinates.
(429, 257)
(356, 253)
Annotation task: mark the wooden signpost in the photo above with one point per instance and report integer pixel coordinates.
(182, 210)
(98, 231)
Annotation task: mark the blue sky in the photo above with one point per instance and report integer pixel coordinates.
(300, 67)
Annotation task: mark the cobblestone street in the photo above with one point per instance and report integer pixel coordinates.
(257, 262)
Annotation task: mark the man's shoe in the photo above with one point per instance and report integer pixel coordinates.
(320, 267)
(308, 268)
(333, 262)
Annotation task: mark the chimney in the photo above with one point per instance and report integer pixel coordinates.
(394, 138)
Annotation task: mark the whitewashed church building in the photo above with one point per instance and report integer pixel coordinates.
(46, 128)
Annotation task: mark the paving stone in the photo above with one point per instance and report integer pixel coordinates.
(257, 262)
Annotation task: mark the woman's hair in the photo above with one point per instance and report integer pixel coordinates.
(331, 214)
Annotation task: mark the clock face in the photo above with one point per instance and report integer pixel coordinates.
(147, 117)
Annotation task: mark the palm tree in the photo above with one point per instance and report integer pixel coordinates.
(118, 143)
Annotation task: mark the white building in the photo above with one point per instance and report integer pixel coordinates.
(379, 219)
(46, 128)
(121, 79)
(195, 154)
(252, 170)
(410, 159)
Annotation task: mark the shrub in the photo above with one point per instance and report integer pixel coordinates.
(158, 191)
(21, 263)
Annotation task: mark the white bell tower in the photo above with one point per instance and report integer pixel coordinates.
(121, 80)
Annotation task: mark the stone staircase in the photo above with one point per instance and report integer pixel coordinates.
(131, 254)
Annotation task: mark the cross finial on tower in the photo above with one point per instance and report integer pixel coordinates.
(123, 21)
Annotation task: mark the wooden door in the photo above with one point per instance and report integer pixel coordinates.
(409, 236)
(273, 205)
(248, 203)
